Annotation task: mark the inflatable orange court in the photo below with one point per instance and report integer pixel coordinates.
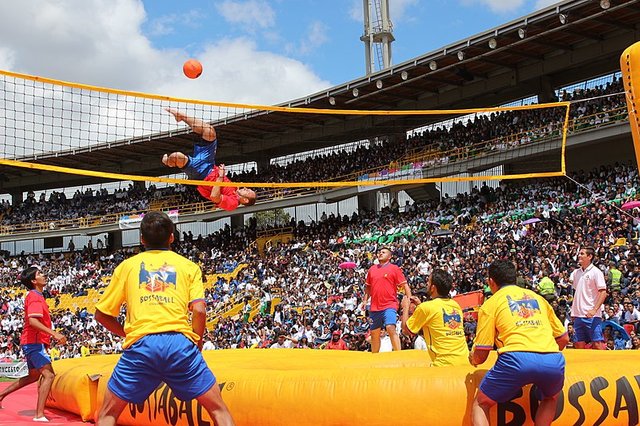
(313, 387)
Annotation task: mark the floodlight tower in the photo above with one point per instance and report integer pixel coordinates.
(378, 35)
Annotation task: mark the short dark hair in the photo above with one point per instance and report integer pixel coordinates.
(503, 272)
(156, 228)
(27, 276)
(590, 251)
(443, 282)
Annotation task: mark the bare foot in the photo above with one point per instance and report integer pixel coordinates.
(176, 114)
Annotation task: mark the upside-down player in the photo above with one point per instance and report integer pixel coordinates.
(202, 166)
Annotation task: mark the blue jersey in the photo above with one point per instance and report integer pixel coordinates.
(202, 160)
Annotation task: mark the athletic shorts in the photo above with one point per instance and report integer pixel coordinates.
(165, 357)
(513, 370)
(587, 329)
(202, 160)
(383, 318)
(36, 356)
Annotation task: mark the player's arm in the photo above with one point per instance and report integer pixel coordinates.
(478, 356)
(38, 325)
(600, 298)
(198, 319)
(216, 194)
(562, 341)
(197, 305)
(204, 129)
(110, 323)
(407, 289)
(365, 299)
(406, 302)
(485, 338)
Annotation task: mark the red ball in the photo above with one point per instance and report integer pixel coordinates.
(192, 68)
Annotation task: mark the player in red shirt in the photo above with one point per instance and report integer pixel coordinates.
(201, 166)
(35, 338)
(383, 281)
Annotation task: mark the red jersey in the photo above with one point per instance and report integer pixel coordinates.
(35, 307)
(229, 194)
(383, 282)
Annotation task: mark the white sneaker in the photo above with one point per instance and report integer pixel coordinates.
(40, 419)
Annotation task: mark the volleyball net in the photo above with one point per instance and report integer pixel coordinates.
(54, 126)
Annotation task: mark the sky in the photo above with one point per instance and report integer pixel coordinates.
(252, 51)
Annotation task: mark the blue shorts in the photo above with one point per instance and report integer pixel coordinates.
(165, 357)
(587, 329)
(383, 318)
(202, 160)
(513, 370)
(36, 356)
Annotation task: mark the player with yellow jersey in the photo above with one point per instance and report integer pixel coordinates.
(440, 320)
(160, 287)
(529, 338)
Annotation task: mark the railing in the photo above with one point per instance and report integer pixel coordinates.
(542, 134)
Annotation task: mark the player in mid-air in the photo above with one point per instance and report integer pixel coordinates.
(202, 166)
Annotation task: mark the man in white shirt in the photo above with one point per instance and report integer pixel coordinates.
(283, 342)
(586, 309)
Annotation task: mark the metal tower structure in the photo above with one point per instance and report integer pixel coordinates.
(378, 35)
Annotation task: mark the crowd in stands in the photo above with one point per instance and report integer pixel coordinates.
(317, 300)
(504, 129)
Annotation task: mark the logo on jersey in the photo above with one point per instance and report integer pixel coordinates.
(452, 320)
(525, 307)
(158, 280)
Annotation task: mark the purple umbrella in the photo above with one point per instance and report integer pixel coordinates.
(530, 221)
(630, 205)
(433, 222)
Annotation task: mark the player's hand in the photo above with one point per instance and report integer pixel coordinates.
(416, 300)
(60, 338)
(221, 170)
(591, 313)
(405, 302)
(176, 114)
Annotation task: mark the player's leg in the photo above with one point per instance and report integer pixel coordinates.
(110, 410)
(214, 404)
(480, 409)
(175, 159)
(390, 319)
(377, 322)
(597, 338)
(549, 372)
(133, 379)
(48, 375)
(189, 377)
(581, 333)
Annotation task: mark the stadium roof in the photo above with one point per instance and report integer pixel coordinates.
(556, 46)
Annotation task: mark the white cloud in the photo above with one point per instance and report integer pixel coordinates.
(249, 75)
(102, 43)
(498, 6)
(249, 14)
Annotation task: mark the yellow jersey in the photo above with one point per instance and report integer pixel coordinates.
(518, 320)
(84, 351)
(443, 331)
(158, 287)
